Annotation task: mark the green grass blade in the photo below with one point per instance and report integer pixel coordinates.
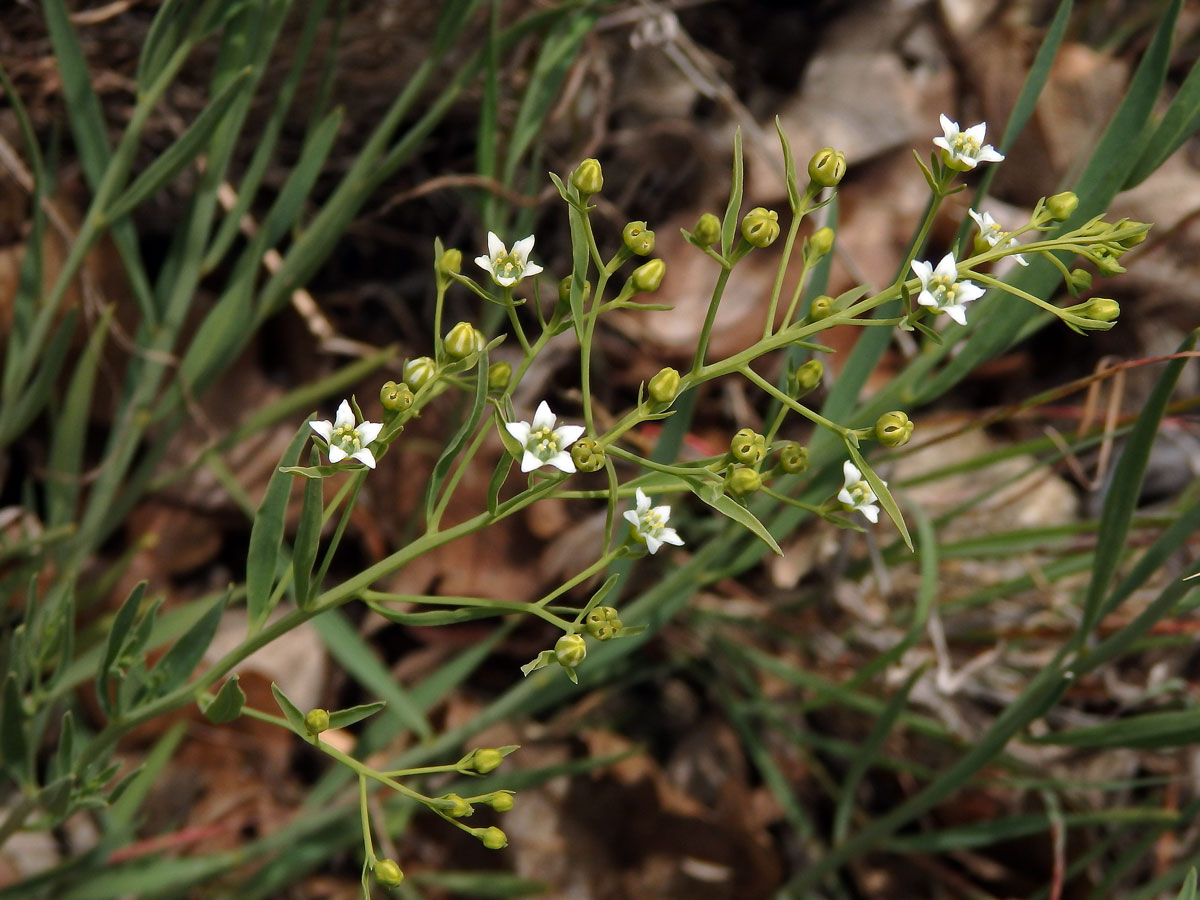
(185, 654)
(1146, 732)
(297, 189)
(34, 396)
(308, 535)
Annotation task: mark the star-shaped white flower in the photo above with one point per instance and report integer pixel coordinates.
(508, 268)
(965, 149)
(650, 524)
(990, 231)
(941, 289)
(544, 444)
(347, 440)
(856, 494)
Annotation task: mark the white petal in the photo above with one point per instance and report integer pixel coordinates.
(923, 270)
(988, 153)
(522, 248)
(519, 430)
(569, 434)
(543, 416)
(643, 502)
(631, 517)
(496, 246)
(324, 428)
(652, 543)
(670, 536)
(927, 299)
(562, 461)
(336, 454)
(945, 145)
(529, 462)
(844, 497)
(345, 416)
(967, 160)
(664, 512)
(979, 220)
(484, 263)
(977, 131)
(968, 291)
(365, 457)
(851, 473)
(368, 431)
(947, 267)
(1021, 260)
(949, 126)
(871, 512)
(530, 269)
(504, 280)
(957, 312)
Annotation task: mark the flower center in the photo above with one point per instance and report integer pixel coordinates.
(507, 266)
(965, 145)
(943, 289)
(347, 438)
(860, 493)
(652, 521)
(543, 443)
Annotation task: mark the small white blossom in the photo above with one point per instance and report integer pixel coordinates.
(990, 231)
(544, 444)
(347, 440)
(508, 268)
(965, 149)
(650, 524)
(856, 494)
(941, 289)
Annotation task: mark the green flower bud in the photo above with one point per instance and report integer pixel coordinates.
(588, 454)
(760, 227)
(588, 177)
(638, 238)
(748, 446)
(1106, 261)
(451, 261)
(603, 623)
(316, 721)
(821, 242)
(564, 290)
(822, 308)
(743, 482)
(648, 276)
(501, 801)
(707, 231)
(893, 429)
(1133, 239)
(493, 838)
(1081, 279)
(419, 372)
(486, 759)
(793, 459)
(454, 805)
(1060, 206)
(463, 340)
(395, 397)
(664, 386)
(499, 375)
(1101, 309)
(570, 650)
(387, 872)
(807, 377)
(827, 167)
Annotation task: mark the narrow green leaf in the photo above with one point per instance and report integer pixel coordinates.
(121, 626)
(266, 535)
(442, 467)
(319, 472)
(227, 705)
(714, 496)
(64, 756)
(881, 492)
(123, 810)
(12, 731)
(1188, 891)
(344, 718)
(1147, 732)
(308, 536)
(503, 467)
(178, 663)
(33, 397)
(496, 884)
(290, 711)
(729, 225)
(789, 168)
(297, 189)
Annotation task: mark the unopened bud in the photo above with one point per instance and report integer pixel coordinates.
(463, 340)
(316, 721)
(638, 238)
(893, 429)
(501, 801)
(760, 227)
(588, 177)
(827, 167)
(1100, 309)
(454, 805)
(493, 838)
(419, 372)
(588, 454)
(569, 650)
(743, 482)
(707, 231)
(451, 261)
(821, 242)
(564, 289)
(664, 386)
(748, 446)
(486, 759)
(1081, 279)
(395, 397)
(648, 276)
(499, 375)
(387, 872)
(793, 459)
(821, 308)
(1060, 206)
(807, 377)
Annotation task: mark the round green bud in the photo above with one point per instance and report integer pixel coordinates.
(822, 308)
(502, 801)
(648, 276)
(564, 289)
(1081, 279)
(603, 623)
(821, 242)
(570, 650)
(807, 377)
(451, 261)
(464, 340)
(638, 238)
(419, 372)
(588, 454)
(387, 872)
(760, 227)
(499, 375)
(1102, 309)
(827, 167)
(743, 482)
(893, 429)
(588, 177)
(748, 446)
(486, 759)
(664, 386)
(793, 459)
(493, 838)
(1060, 206)
(316, 721)
(454, 805)
(395, 397)
(707, 231)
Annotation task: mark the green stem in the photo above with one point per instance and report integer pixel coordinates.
(365, 819)
(511, 308)
(598, 566)
(783, 398)
(777, 288)
(709, 318)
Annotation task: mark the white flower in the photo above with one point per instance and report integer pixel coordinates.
(345, 439)
(965, 149)
(650, 525)
(990, 231)
(941, 289)
(507, 268)
(856, 494)
(544, 444)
